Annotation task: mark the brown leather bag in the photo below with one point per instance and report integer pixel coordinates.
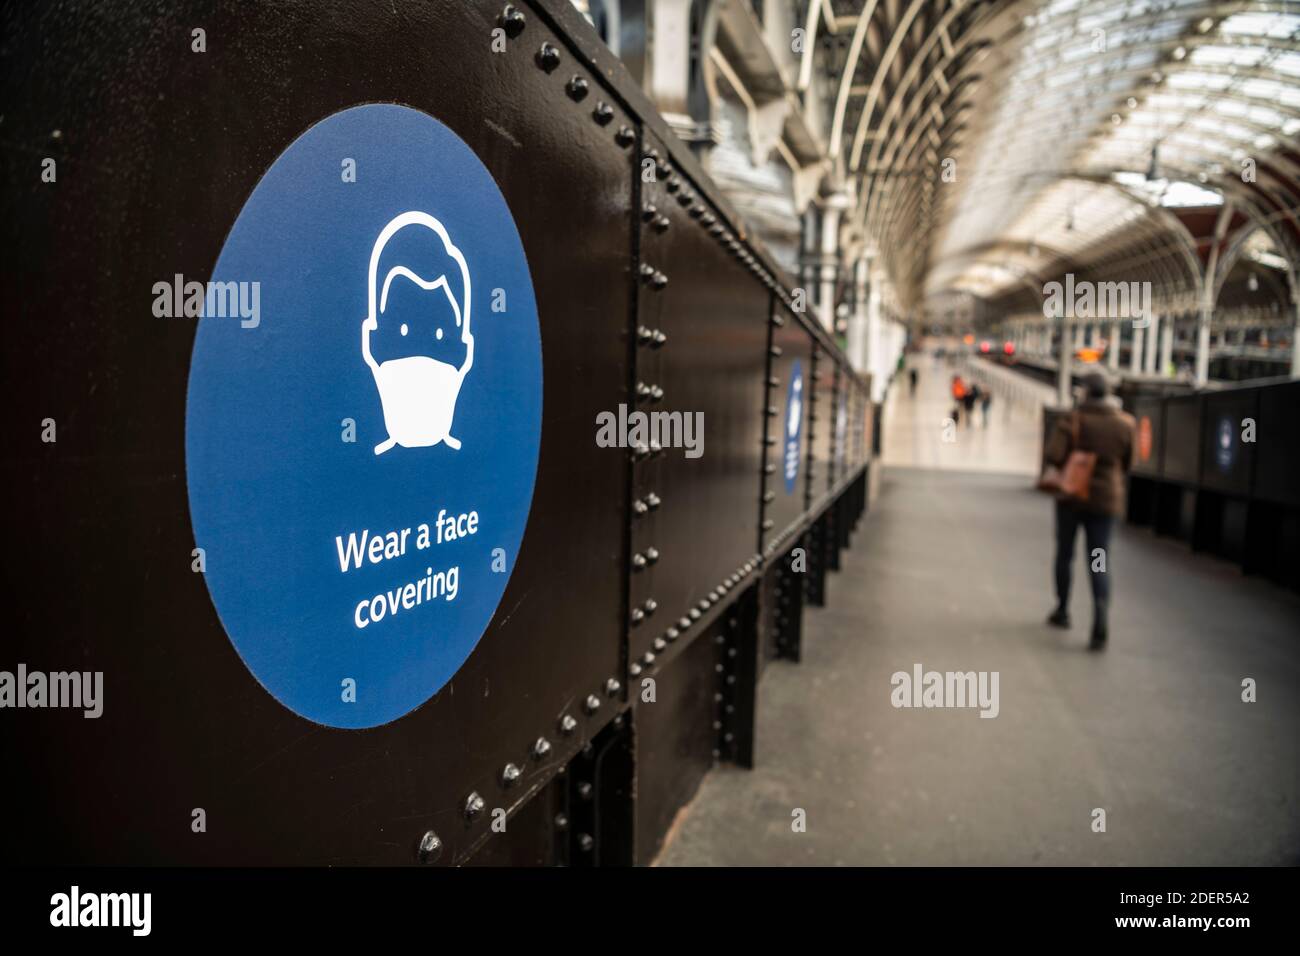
(1073, 481)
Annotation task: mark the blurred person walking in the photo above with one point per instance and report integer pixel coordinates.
(986, 399)
(968, 400)
(1091, 450)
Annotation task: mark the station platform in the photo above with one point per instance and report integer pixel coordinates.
(951, 570)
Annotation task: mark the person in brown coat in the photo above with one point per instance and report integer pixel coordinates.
(1111, 433)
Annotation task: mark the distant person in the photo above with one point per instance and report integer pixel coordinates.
(968, 399)
(1097, 425)
(986, 399)
(911, 381)
(958, 389)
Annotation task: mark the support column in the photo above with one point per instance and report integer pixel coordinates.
(1203, 346)
(1295, 337)
(1078, 335)
(857, 334)
(1152, 348)
(1135, 350)
(828, 249)
(1114, 335)
(1064, 366)
(1166, 348)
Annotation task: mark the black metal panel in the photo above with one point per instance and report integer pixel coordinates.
(791, 342)
(1277, 449)
(158, 149)
(1150, 415)
(709, 315)
(1226, 459)
(675, 740)
(1181, 455)
(821, 425)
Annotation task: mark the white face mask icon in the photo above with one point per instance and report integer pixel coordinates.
(796, 409)
(418, 392)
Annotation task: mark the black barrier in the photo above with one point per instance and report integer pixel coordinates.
(1217, 469)
(622, 659)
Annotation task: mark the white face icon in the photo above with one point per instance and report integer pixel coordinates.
(418, 392)
(796, 408)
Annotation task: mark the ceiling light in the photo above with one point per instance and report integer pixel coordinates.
(1180, 52)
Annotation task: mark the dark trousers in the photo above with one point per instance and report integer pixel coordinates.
(1096, 532)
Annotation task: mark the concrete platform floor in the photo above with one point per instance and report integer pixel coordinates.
(951, 571)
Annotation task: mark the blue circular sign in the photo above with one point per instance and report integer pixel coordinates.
(364, 415)
(1226, 447)
(793, 426)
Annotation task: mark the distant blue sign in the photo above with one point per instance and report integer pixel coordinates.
(1225, 450)
(361, 459)
(793, 425)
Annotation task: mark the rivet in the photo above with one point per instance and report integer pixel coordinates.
(639, 507)
(660, 644)
(612, 687)
(651, 605)
(683, 623)
(769, 469)
(561, 822)
(568, 724)
(704, 604)
(634, 669)
(673, 184)
(509, 774)
(512, 21)
(548, 58)
(659, 338)
(672, 633)
(584, 790)
(684, 198)
(769, 497)
(648, 657)
(775, 351)
(638, 561)
(585, 842)
(602, 114)
(592, 704)
(647, 272)
(474, 805)
(649, 213)
(625, 136)
(695, 614)
(653, 500)
(638, 615)
(661, 224)
(577, 89)
(777, 320)
(659, 280)
(430, 847)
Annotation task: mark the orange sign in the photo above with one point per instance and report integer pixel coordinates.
(1088, 356)
(1144, 438)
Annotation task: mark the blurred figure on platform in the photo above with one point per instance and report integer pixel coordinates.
(986, 399)
(1100, 427)
(969, 397)
(911, 381)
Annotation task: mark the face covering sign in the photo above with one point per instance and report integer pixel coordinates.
(793, 427)
(361, 464)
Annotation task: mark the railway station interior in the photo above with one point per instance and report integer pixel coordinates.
(762, 367)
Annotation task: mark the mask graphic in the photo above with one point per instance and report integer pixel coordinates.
(418, 391)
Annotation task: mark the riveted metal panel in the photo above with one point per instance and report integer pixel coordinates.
(158, 148)
(821, 425)
(702, 325)
(785, 507)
